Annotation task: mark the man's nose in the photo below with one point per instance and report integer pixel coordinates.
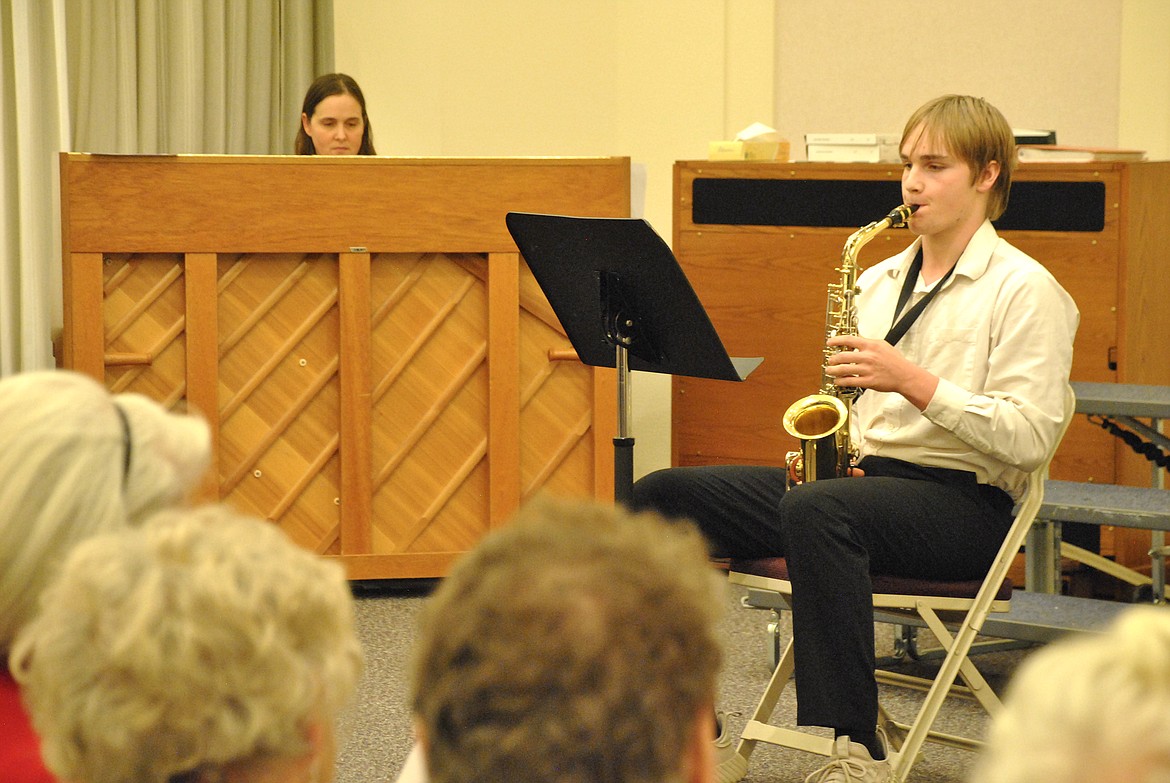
(911, 180)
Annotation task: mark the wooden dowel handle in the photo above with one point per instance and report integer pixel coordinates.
(127, 359)
(563, 355)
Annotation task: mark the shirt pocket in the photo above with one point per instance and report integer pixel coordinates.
(951, 352)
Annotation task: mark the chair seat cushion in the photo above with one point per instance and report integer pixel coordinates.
(777, 568)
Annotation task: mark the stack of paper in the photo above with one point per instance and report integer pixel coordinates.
(852, 147)
(1062, 153)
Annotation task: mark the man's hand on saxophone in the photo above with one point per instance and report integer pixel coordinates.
(866, 363)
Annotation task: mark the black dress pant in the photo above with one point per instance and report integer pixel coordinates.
(898, 519)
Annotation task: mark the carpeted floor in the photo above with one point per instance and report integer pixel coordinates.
(376, 731)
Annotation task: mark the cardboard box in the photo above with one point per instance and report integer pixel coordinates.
(748, 150)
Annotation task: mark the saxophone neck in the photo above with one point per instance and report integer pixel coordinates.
(897, 217)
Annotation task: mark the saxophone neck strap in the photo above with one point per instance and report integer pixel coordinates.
(903, 324)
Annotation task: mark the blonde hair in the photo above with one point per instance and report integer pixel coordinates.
(975, 132)
(1092, 708)
(77, 461)
(576, 644)
(202, 640)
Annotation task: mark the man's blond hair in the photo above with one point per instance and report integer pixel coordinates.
(975, 132)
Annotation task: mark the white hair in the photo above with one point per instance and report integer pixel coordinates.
(203, 641)
(75, 461)
(1089, 708)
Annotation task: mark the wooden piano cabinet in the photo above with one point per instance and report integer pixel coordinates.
(760, 243)
(381, 373)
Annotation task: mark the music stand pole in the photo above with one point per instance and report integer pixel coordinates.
(623, 444)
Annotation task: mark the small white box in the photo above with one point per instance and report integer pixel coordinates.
(852, 138)
(852, 153)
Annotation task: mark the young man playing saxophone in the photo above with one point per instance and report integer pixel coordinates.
(953, 418)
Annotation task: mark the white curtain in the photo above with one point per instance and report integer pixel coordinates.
(34, 117)
(131, 76)
(216, 76)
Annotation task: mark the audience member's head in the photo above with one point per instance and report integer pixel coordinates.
(204, 646)
(1094, 708)
(576, 644)
(77, 461)
(334, 119)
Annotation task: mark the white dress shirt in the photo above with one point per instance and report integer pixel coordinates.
(999, 335)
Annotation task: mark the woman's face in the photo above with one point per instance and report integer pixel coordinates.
(336, 126)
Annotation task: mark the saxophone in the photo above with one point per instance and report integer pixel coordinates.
(821, 421)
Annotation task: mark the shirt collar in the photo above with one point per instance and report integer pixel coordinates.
(972, 264)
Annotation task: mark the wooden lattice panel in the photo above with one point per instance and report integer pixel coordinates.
(278, 392)
(428, 362)
(143, 312)
(557, 449)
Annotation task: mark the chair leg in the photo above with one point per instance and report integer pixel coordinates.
(977, 687)
(767, 704)
(758, 729)
(957, 648)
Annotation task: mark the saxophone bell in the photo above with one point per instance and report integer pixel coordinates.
(820, 422)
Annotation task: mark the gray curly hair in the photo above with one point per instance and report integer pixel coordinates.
(201, 641)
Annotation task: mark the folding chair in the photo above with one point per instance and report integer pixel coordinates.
(953, 611)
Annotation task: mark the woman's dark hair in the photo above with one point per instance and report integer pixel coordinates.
(321, 88)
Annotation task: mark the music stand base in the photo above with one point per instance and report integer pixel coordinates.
(623, 470)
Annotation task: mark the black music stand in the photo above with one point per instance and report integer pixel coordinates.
(624, 302)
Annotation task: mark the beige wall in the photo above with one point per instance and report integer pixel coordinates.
(1051, 65)
(657, 79)
(1144, 116)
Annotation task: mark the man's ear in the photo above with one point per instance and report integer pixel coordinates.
(322, 751)
(988, 177)
(698, 762)
(420, 734)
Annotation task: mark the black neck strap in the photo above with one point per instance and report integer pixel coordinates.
(903, 324)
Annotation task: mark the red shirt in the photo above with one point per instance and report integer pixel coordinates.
(20, 749)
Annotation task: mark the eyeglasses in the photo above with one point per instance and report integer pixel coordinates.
(126, 443)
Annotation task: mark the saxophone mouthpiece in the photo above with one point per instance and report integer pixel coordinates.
(900, 214)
